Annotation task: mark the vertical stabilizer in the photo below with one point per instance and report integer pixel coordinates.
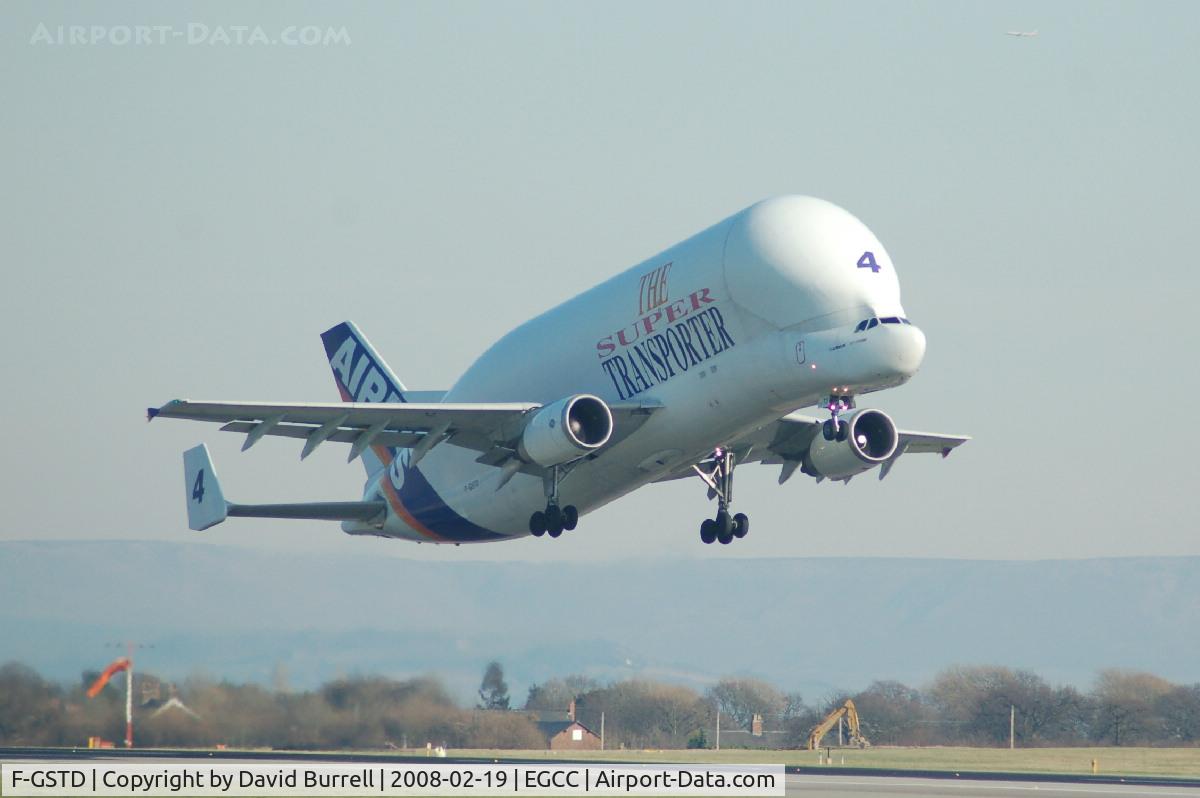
(206, 504)
(360, 373)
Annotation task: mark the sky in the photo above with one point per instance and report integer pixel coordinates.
(182, 218)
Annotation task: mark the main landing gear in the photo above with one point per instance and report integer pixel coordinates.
(554, 519)
(720, 484)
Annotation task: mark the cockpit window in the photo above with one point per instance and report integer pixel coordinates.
(867, 324)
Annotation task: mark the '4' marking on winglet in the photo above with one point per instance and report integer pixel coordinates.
(867, 261)
(198, 486)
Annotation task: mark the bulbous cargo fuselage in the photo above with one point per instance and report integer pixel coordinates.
(775, 308)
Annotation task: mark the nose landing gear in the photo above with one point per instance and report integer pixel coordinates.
(554, 519)
(724, 527)
(834, 428)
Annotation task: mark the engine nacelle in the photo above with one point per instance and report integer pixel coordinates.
(870, 438)
(566, 430)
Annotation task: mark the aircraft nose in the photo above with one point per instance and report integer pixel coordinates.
(908, 349)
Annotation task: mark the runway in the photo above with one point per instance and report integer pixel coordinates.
(863, 786)
(800, 781)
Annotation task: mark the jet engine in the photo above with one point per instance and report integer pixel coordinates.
(865, 439)
(566, 430)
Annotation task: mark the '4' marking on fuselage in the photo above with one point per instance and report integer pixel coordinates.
(867, 261)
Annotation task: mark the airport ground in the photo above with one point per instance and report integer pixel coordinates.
(1168, 762)
(1111, 763)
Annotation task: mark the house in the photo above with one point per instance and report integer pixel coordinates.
(152, 700)
(563, 732)
(568, 735)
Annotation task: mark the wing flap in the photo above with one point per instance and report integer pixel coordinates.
(486, 427)
(401, 415)
(474, 426)
(405, 440)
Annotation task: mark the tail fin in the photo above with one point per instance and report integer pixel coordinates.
(360, 373)
(206, 504)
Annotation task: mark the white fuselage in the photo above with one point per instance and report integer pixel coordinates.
(727, 331)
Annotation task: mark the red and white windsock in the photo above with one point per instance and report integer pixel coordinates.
(118, 665)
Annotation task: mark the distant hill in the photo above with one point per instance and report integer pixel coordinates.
(811, 625)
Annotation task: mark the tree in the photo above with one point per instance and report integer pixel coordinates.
(1071, 724)
(979, 701)
(1180, 713)
(502, 730)
(892, 713)
(556, 694)
(493, 691)
(30, 707)
(642, 714)
(1125, 706)
(741, 699)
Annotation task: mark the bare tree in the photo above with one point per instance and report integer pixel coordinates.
(893, 714)
(1179, 710)
(30, 707)
(740, 699)
(556, 694)
(1125, 706)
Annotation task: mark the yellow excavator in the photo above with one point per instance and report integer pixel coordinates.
(847, 711)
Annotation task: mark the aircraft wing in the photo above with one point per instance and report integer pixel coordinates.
(491, 428)
(785, 442)
(789, 437)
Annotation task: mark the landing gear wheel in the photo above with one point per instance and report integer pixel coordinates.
(537, 524)
(554, 521)
(719, 479)
(570, 517)
(835, 428)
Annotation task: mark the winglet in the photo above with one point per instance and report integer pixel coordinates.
(206, 504)
(154, 412)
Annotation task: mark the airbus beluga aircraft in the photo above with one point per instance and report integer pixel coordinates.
(686, 365)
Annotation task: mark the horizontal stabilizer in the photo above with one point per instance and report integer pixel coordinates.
(207, 505)
(313, 511)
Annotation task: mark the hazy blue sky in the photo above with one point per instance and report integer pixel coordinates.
(183, 219)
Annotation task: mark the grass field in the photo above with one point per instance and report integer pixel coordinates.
(1110, 761)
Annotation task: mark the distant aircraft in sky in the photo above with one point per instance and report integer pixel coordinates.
(1024, 34)
(686, 365)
